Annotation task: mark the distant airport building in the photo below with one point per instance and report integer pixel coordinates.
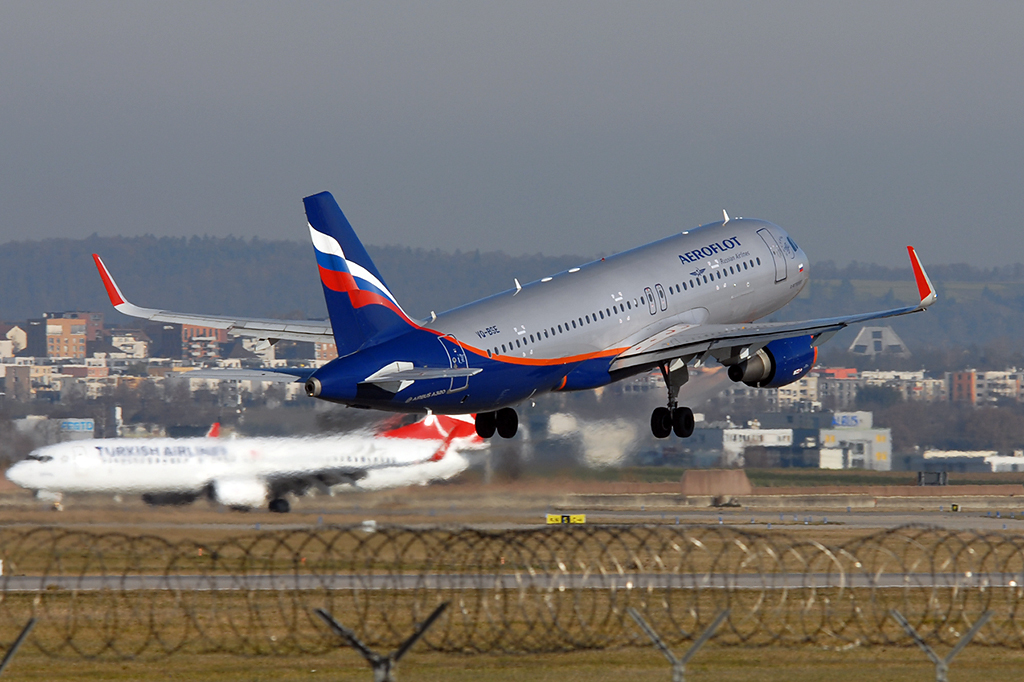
(872, 341)
(731, 442)
(853, 443)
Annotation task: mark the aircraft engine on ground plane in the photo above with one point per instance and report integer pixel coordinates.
(244, 493)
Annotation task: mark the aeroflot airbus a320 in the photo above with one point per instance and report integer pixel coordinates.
(680, 300)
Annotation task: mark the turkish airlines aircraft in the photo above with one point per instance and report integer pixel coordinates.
(684, 299)
(244, 473)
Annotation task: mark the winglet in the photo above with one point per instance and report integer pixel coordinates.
(214, 431)
(116, 298)
(924, 284)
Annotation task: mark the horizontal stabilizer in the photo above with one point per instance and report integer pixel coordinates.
(284, 375)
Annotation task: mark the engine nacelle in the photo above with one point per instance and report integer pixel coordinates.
(173, 499)
(779, 363)
(240, 493)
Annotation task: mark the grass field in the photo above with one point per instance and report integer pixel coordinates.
(722, 664)
(450, 504)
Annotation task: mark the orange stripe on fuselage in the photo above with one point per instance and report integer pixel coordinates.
(547, 362)
(362, 298)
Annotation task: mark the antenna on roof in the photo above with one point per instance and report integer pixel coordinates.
(726, 216)
(519, 287)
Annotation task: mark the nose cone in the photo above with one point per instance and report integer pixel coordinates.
(19, 474)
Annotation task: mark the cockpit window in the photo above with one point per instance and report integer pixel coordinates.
(793, 243)
(40, 458)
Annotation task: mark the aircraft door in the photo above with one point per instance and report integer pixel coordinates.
(777, 254)
(650, 301)
(662, 298)
(82, 461)
(458, 360)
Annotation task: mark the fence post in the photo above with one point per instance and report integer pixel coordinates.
(383, 666)
(941, 664)
(678, 664)
(17, 643)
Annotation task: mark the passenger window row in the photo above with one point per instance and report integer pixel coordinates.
(561, 329)
(718, 274)
(618, 308)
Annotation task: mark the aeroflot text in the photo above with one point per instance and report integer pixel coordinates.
(709, 250)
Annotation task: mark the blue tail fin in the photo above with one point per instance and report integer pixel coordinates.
(359, 303)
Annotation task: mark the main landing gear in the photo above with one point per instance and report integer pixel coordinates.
(279, 505)
(505, 421)
(666, 420)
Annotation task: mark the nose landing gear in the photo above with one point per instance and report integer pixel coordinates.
(666, 420)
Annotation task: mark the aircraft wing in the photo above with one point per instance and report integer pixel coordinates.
(690, 339)
(320, 480)
(291, 330)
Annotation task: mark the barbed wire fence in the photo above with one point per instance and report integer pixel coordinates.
(118, 596)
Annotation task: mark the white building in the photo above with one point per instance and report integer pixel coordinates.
(134, 344)
(856, 445)
(801, 394)
(732, 441)
(993, 386)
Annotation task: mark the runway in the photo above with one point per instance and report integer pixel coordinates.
(522, 519)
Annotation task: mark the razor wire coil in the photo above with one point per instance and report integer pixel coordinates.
(117, 596)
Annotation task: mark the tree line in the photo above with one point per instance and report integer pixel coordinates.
(277, 278)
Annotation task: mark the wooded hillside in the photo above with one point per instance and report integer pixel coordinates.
(278, 279)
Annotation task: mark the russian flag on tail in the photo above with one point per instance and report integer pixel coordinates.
(362, 308)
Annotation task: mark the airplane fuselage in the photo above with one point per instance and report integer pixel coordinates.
(563, 332)
(132, 466)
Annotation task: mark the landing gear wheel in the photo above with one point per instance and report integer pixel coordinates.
(661, 422)
(279, 505)
(507, 422)
(682, 422)
(486, 422)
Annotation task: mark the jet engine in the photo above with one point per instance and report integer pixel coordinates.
(175, 499)
(240, 493)
(779, 363)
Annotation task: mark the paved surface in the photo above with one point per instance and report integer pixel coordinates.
(1010, 521)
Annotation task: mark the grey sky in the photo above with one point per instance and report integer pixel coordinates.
(554, 127)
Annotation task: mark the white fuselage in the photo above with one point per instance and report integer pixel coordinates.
(184, 465)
